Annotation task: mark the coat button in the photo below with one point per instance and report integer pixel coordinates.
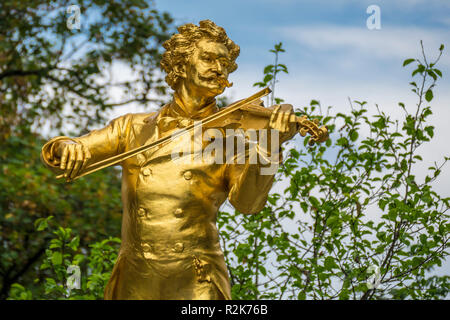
(178, 213)
(178, 247)
(146, 172)
(141, 212)
(187, 175)
(146, 247)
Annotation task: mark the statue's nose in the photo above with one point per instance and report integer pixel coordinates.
(219, 68)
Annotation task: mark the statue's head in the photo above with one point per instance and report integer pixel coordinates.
(200, 58)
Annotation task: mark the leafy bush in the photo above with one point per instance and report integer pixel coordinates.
(355, 222)
(67, 262)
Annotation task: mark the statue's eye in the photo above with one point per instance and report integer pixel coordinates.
(207, 59)
(225, 63)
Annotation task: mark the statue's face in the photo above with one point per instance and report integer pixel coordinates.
(207, 64)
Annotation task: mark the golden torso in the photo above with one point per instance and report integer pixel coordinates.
(170, 242)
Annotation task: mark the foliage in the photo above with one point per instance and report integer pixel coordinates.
(50, 73)
(57, 80)
(64, 252)
(355, 221)
(29, 192)
(270, 75)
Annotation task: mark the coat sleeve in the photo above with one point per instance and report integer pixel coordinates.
(249, 184)
(102, 143)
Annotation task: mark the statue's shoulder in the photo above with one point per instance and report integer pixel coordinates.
(136, 118)
(259, 103)
(141, 117)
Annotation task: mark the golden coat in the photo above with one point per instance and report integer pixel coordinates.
(170, 246)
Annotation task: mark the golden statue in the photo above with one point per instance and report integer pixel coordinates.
(170, 246)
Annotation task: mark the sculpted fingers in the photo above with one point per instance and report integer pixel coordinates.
(285, 121)
(79, 157)
(287, 108)
(64, 156)
(290, 128)
(280, 120)
(274, 118)
(71, 159)
(87, 156)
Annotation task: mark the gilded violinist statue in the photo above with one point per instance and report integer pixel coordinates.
(170, 245)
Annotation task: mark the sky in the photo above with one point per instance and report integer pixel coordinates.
(332, 55)
(330, 52)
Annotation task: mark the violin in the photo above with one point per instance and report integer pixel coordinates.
(252, 116)
(241, 114)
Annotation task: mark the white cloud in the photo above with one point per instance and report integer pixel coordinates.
(444, 20)
(387, 43)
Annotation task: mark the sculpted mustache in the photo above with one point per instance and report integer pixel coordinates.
(222, 80)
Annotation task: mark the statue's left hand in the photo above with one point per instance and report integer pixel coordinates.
(74, 157)
(279, 120)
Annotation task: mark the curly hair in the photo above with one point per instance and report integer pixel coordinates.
(181, 45)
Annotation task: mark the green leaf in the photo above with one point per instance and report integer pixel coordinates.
(304, 206)
(430, 131)
(420, 69)
(259, 84)
(314, 202)
(283, 68)
(42, 225)
(432, 74)
(74, 243)
(267, 78)
(333, 220)
(354, 135)
(56, 258)
(408, 61)
(330, 263)
(268, 69)
(438, 72)
(301, 295)
(272, 200)
(429, 95)
(423, 239)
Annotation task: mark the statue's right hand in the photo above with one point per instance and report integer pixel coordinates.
(74, 157)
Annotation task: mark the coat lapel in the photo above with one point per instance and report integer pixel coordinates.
(145, 131)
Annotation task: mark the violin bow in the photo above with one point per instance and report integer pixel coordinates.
(131, 153)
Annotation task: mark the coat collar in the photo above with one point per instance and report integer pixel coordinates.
(175, 109)
(146, 129)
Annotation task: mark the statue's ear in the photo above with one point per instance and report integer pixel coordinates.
(180, 70)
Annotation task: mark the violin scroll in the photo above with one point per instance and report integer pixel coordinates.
(318, 135)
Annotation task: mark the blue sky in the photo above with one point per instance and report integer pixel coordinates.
(332, 55)
(325, 40)
(330, 52)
